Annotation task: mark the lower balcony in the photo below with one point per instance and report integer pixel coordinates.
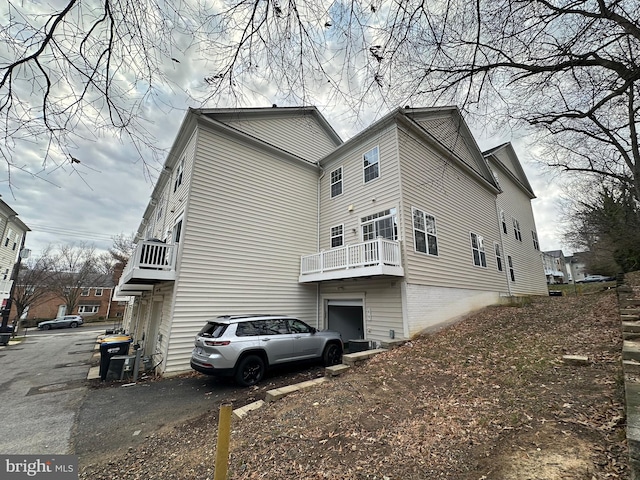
(366, 259)
(152, 262)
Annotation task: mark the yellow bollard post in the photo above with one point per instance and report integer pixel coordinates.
(222, 448)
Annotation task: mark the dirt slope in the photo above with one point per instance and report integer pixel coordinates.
(488, 398)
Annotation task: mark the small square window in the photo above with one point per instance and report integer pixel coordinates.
(98, 292)
(85, 292)
(337, 236)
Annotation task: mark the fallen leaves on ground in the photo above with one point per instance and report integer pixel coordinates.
(487, 398)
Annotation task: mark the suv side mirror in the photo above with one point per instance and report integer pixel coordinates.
(313, 330)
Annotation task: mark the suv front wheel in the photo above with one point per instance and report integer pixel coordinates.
(250, 371)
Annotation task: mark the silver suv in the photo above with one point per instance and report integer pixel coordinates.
(244, 346)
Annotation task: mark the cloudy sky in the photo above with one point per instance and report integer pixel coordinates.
(106, 193)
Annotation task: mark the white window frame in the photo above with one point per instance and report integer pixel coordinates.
(179, 175)
(374, 219)
(512, 272)
(424, 217)
(333, 183)
(371, 165)
(88, 308)
(98, 292)
(534, 236)
(516, 229)
(85, 292)
(180, 231)
(336, 232)
(498, 252)
(478, 240)
(503, 219)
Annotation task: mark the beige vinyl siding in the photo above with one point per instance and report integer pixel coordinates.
(527, 262)
(446, 130)
(173, 203)
(505, 158)
(249, 219)
(300, 134)
(368, 198)
(382, 304)
(460, 205)
(9, 255)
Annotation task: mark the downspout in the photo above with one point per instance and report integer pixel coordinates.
(109, 303)
(322, 172)
(505, 262)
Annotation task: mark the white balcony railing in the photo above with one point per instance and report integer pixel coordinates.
(5, 288)
(151, 260)
(380, 256)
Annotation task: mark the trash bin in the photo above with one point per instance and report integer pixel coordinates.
(110, 347)
(5, 334)
(358, 345)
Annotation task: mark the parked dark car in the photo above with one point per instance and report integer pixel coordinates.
(596, 278)
(71, 321)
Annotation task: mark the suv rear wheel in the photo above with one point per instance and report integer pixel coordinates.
(250, 370)
(74, 324)
(332, 355)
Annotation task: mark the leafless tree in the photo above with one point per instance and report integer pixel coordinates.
(33, 284)
(75, 270)
(567, 69)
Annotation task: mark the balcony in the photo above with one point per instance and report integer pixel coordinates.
(152, 262)
(5, 288)
(366, 259)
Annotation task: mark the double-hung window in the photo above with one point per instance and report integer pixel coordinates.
(179, 173)
(477, 246)
(516, 229)
(382, 224)
(336, 182)
(337, 236)
(534, 235)
(85, 292)
(425, 236)
(371, 164)
(498, 256)
(503, 219)
(511, 270)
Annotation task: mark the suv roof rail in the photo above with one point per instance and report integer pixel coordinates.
(250, 315)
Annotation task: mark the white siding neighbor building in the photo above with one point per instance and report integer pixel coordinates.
(267, 210)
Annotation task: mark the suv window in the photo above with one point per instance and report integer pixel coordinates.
(272, 326)
(297, 326)
(214, 330)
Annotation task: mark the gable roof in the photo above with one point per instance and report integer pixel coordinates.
(457, 143)
(505, 158)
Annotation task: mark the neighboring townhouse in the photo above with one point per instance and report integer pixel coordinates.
(14, 233)
(555, 267)
(380, 237)
(518, 250)
(577, 266)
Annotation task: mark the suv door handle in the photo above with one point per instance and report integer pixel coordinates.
(265, 339)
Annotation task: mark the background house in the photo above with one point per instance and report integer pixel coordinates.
(555, 267)
(14, 233)
(268, 211)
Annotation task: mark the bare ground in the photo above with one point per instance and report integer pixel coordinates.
(488, 398)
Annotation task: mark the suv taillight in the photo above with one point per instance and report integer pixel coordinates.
(216, 343)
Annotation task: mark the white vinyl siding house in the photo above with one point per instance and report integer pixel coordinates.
(380, 237)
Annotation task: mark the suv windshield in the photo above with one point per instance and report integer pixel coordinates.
(214, 330)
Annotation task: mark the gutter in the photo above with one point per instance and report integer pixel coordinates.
(505, 262)
(319, 191)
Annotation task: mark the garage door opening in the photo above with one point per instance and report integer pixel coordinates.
(346, 317)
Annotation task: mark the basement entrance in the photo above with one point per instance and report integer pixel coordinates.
(346, 317)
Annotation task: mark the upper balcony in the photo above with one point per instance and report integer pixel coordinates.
(152, 262)
(5, 288)
(366, 259)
